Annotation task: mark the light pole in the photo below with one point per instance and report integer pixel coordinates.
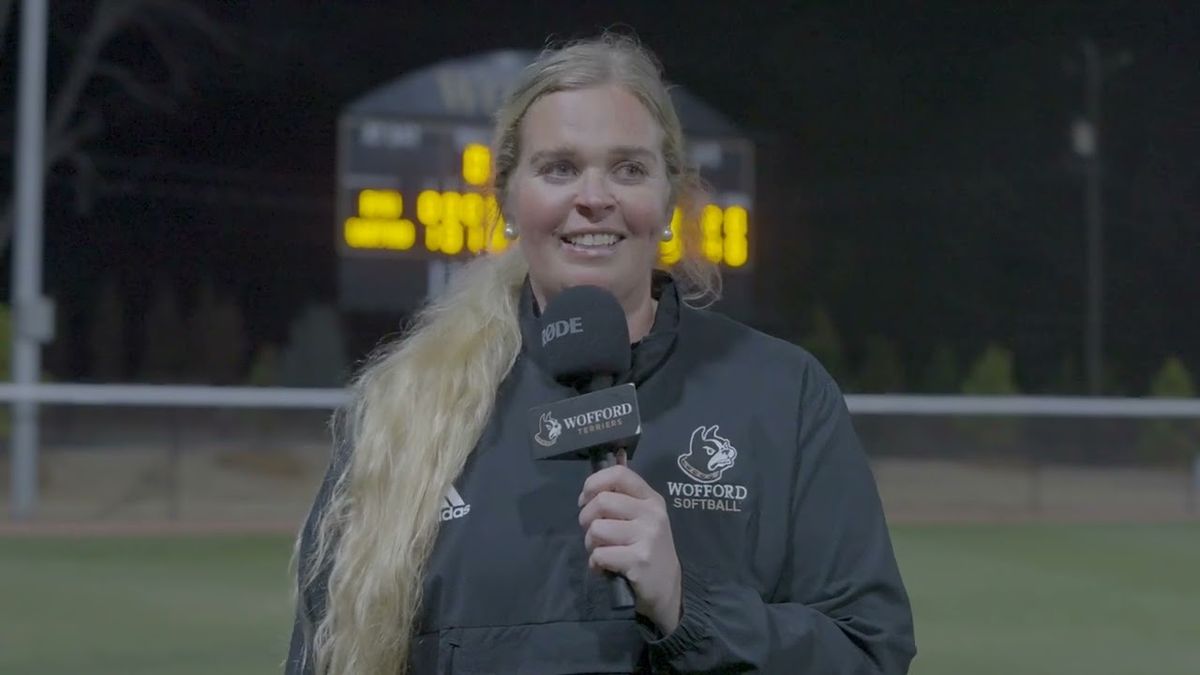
(31, 312)
(1086, 137)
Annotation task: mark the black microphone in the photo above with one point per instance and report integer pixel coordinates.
(585, 345)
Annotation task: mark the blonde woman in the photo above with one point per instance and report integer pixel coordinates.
(748, 522)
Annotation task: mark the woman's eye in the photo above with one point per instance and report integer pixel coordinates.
(560, 169)
(631, 170)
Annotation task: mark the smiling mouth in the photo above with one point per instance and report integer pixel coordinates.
(593, 241)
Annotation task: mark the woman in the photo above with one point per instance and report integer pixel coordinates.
(748, 523)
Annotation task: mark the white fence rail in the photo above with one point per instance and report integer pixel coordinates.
(168, 396)
(889, 409)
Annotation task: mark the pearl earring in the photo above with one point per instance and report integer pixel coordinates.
(510, 231)
(668, 234)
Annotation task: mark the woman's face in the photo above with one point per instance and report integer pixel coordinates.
(590, 193)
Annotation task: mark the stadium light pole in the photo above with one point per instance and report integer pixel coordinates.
(1086, 137)
(31, 313)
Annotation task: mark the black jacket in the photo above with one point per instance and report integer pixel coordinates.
(787, 562)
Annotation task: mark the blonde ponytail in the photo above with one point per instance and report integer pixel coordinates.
(417, 411)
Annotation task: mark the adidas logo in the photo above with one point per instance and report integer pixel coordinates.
(453, 505)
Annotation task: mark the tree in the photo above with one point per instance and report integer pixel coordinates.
(1068, 380)
(882, 370)
(992, 373)
(218, 333)
(1167, 439)
(225, 354)
(56, 358)
(825, 344)
(106, 340)
(164, 351)
(941, 372)
(264, 372)
(76, 111)
(316, 351)
(1173, 381)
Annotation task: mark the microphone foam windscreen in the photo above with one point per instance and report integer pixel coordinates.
(585, 333)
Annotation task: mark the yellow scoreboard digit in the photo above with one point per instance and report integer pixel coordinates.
(379, 223)
(476, 164)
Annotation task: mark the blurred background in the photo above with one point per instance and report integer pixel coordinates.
(983, 218)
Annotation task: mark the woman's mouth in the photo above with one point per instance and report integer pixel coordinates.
(593, 241)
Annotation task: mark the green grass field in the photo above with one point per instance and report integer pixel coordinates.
(1002, 599)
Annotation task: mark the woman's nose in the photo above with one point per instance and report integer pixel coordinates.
(594, 199)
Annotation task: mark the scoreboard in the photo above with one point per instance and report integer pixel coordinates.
(417, 191)
(414, 167)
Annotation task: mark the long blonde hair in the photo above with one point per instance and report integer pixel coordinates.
(421, 403)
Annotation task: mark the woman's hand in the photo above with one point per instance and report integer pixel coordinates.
(627, 532)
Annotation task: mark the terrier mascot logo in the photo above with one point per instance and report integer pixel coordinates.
(551, 430)
(708, 455)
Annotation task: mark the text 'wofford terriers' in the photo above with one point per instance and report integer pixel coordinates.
(596, 420)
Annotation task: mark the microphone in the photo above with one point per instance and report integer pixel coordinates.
(585, 345)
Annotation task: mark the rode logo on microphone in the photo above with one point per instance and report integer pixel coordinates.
(560, 328)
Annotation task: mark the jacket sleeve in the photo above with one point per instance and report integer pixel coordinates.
(842, 608)
(310, 603)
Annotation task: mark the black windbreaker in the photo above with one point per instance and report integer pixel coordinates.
(786, 558)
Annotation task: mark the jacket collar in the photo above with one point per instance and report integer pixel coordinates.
(649, 353)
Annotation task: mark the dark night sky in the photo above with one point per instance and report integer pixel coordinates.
(915, 171)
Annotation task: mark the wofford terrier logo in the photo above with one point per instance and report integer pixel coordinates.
(707, 458)
(550, 431)
(708, 455)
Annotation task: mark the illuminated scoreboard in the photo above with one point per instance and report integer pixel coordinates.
(414, 167)
(417, 192)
